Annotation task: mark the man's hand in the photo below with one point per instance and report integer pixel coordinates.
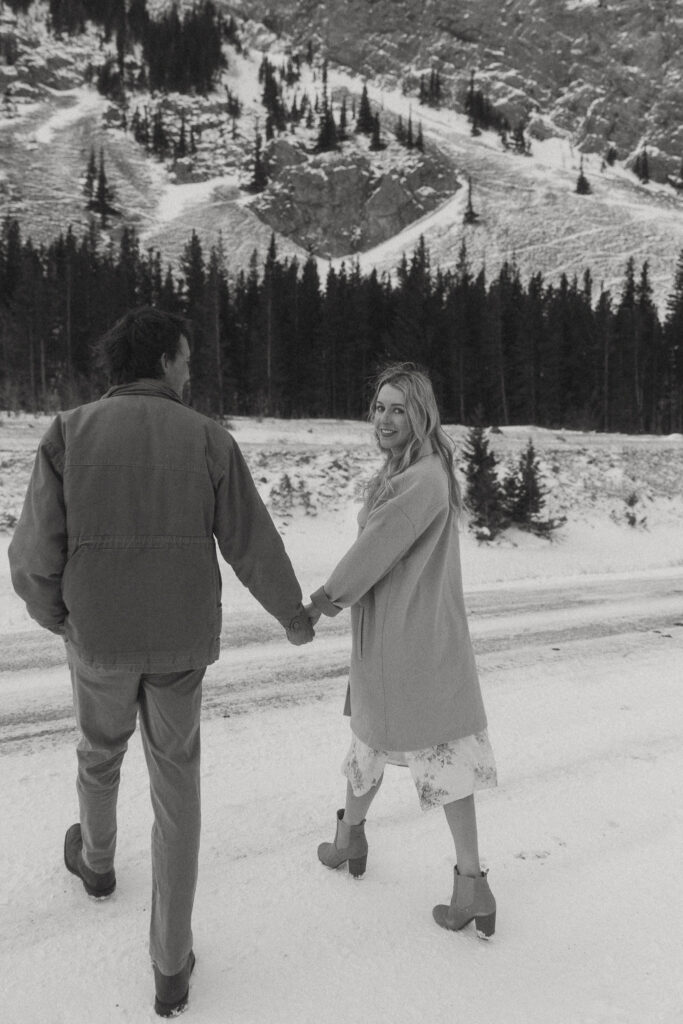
(300, 630)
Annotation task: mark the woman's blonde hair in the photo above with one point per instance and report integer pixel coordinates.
(425, 424)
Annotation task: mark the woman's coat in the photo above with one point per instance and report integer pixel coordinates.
(413, 681)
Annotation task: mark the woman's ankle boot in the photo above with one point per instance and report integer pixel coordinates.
(472, 900)
(350, 845)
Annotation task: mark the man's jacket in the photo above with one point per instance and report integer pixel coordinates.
(115, 544)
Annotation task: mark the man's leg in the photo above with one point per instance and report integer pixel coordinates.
(105, 704)
(170, 706)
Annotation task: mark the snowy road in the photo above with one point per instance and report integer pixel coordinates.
(517, 624)
(582, 683)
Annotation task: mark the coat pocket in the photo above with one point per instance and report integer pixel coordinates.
(359, 631)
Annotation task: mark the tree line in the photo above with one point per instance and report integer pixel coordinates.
(179, 52)
(276, 339)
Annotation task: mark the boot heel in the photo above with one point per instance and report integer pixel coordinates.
(357, 866)
(485, 925)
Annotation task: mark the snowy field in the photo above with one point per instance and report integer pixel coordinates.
(580, 647)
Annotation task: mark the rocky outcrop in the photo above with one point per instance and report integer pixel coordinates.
(338, 203)
(602, 71)
(280, 154)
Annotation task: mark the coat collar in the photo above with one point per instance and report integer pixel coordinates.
(144, 386)
(426, 448)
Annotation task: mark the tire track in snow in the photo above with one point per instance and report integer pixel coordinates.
(512, 625)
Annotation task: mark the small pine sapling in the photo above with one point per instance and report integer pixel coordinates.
(525, 495)
(483, 493)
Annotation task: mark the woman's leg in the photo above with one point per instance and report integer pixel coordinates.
(462, 821)
(472, 898)
(357, 806)
(350, 844)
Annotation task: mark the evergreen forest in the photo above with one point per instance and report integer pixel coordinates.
(276, 339)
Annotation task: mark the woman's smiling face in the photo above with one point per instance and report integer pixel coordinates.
(390, 419)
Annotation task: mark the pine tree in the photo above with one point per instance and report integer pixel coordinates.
(624, 355)
(376, 140)
(470, 216)
(433, 91)
(641, 166)
(410, 141)
(582, 184)
(469, 97)
(90, 176)
(104, 195)
(525, 495)
(365, 123)
(159, 136)
(181, 147)
(671, 388)
(327, 133)
(646, 355)
(483, 494)
(259, 178)
(419, 140)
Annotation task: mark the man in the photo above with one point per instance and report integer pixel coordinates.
(115, 551)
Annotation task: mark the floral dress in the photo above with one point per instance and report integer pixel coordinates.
(447, 772)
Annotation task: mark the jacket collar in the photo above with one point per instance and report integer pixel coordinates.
(144, 386)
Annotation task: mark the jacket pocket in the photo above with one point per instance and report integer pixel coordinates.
(359, 630)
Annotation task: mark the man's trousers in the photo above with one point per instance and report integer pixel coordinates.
(107, 703)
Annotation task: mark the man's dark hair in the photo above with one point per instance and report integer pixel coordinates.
(133, 347)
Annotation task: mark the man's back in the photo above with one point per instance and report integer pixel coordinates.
(136, 486)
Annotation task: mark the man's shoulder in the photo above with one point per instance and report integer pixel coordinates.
(108, 413)
(212, 426)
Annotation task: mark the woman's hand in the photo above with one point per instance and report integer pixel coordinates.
(300, 629)
(312, 612)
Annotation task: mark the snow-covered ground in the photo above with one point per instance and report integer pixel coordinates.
(580, 648)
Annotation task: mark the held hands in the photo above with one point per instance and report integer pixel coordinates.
(312, 612)
(300, 630)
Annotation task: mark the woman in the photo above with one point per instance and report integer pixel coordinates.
(414, 695)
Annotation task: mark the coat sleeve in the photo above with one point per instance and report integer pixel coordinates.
(38, 551)
(391, 530)
(248, 538)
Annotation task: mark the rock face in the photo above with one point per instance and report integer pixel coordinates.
(338, 203)
(603, 71)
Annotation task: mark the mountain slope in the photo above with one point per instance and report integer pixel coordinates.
(601, 69)
(527, 205)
